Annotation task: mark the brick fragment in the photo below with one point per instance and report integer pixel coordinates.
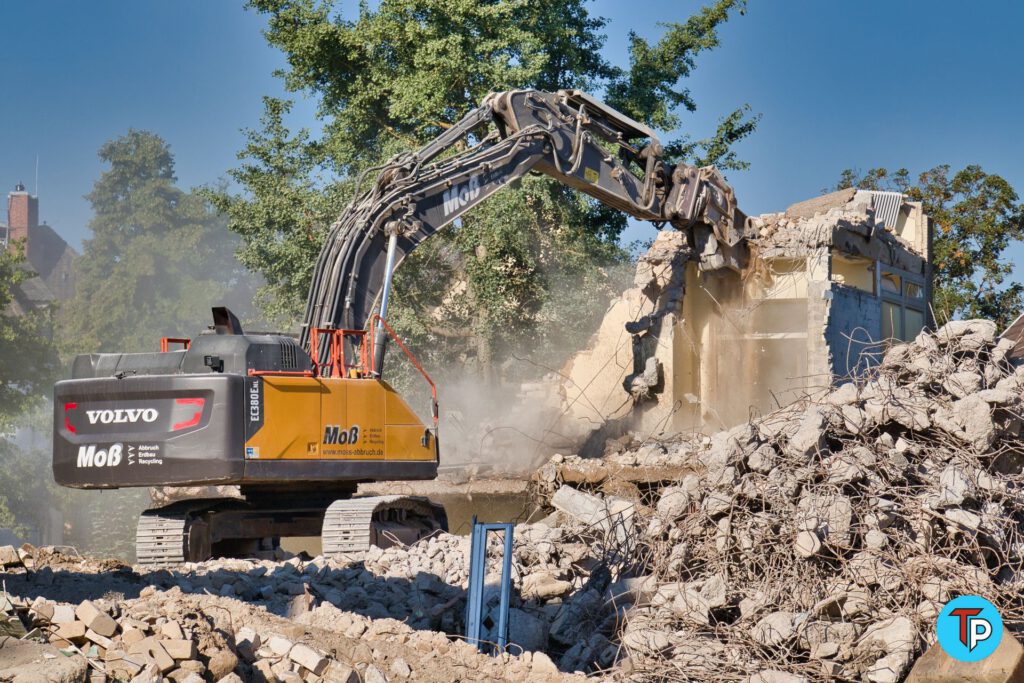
(309, 658)
(72, 632)
(179, 648)
(151, 647)
(96, 619)
(63, 614)
(102, 641)
(171, 630)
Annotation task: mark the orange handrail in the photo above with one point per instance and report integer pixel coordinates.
(433, 388)
(165, 343)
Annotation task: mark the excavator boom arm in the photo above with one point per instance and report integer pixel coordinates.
(567, 135)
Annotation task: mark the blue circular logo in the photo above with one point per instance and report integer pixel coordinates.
(969, 628)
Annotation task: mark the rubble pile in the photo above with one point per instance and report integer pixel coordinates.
(814, 543)
(820, 541)
(399, 611)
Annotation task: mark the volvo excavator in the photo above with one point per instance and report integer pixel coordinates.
(297, 424)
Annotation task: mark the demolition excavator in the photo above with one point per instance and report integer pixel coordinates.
(297, 424)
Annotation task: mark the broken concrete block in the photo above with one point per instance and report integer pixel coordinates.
(715, 591)
(102, 641)
(962, 384)
(96, 619)
(644, 639)
(308, 657)
(691, 606)
(810, 435)
(63, 614)
(149, 674)
(221, 663)
(544, 586)
(889, 669)
(263, 672)
(179, 648)
(588, 509)
(954, 486)
(151, 647)
(967, 335)
(337, 672)
(42, 610)
(375, 675)
(280, 646)
(247, 642)
(524, 629)
(675, 502)
(774, 629)
(9, 556)
(71, 631)
(171, 630)
(829, 515)
(763, 459)
(1005, 665)
(807, 543)
(965, 519)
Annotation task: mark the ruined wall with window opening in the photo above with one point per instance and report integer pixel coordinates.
(822, 288)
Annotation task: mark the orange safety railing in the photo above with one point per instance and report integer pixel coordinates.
(433, 388)
(282, 373)
(165, 343)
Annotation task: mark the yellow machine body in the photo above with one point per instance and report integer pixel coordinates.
(328, 418)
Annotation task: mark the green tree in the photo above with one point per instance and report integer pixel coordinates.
(28, 363)
(977, 216)
(28, 367)
(399, 75)
(157, 259)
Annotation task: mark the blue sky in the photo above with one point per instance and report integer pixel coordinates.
(839, 84)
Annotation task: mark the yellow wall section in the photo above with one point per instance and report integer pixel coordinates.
(309, 418)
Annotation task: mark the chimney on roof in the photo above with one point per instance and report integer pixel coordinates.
(22, 214)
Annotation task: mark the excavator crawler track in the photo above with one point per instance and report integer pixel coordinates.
(162, 538)
(197, 530)
(353, 525)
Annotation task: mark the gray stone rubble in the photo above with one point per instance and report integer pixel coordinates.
(814, 543)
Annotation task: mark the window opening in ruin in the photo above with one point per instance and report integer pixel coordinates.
(890, 282)
(892, 321)
(853, 271)
(903, 305)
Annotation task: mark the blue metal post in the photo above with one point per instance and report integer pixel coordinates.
(477, 574)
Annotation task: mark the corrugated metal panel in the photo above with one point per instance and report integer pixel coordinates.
(1015, 333)
(887, 207)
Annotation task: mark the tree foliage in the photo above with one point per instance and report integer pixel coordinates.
(157, 259)
(28, 367)
(977, 216)
(28, 363)
(401, 73)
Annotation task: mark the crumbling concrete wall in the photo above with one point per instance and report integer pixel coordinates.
(699, 348)
(616, 380)
(855, 326)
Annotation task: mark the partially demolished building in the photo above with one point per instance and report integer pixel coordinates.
(819, 292)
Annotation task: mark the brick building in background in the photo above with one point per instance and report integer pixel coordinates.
(49, 256)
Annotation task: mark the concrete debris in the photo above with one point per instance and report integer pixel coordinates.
(814, 543)
(833, 530)
(1004, 665)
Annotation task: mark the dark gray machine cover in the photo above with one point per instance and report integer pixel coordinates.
(149, 430)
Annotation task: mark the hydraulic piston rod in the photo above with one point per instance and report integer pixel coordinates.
(380, 343)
